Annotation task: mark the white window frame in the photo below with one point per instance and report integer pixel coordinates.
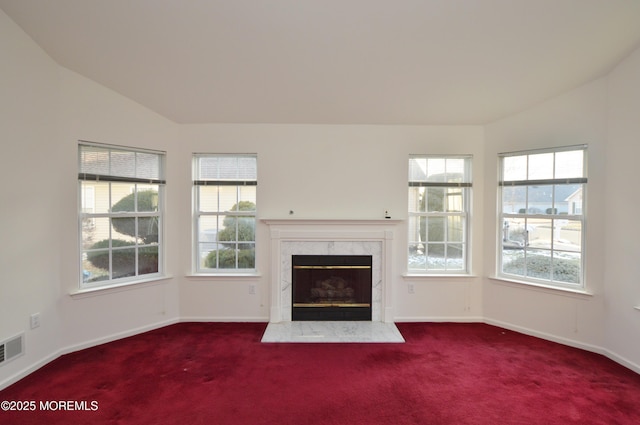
(465, 187)
(529, 214)
(199, 247)
(88, 216)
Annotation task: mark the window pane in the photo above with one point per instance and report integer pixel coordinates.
(208, 258)
(123, 229)
(94, 230)
(566, 267)
(208, 245)
(148, 260)
(455, 170)
(514, 234)
(513, 260)
(569, 164)
(147, 199)
(416, 196)
(436, 199)
(148, 230)
(414, 228)
(95, 266)
(207, 198)
(455, 257)
(228, 198)
(567, 235)
(227, 257)
(247, 198)
(454, 199)
(514, 199)
(123, 197)
(540, 199)
(246, 230)
(541, 166)
(569, 198)
(538, 264)
(436, 229)
(247, 257)
(417, 169)
(455, 229)
(514, 168)
(436, 256)
(227, 231)
(436, 169)
(208, 231)
(417, 258)
(539, 233)
(124, 262)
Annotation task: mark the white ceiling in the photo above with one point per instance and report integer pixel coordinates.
(334, 61)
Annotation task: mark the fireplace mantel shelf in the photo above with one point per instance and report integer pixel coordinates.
(328, 221)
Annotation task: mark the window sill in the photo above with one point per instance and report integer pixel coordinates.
(110, 289)
(422, 276)
(578, 292)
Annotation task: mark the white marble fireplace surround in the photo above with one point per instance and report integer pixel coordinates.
(331, 237)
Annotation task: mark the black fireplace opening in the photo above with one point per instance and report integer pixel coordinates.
(331, 287)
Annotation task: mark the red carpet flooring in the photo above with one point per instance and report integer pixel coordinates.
(220, 373)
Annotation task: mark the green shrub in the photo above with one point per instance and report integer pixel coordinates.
(245, 227)
(539, 266)
(246, 259)
(123, 260)
(147, 226)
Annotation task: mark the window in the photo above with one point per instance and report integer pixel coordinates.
(225, 212)
(439, 204)
(120, 213)
(542, 197)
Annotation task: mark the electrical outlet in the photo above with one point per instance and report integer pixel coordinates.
(411, 288)
(252, 289)
(35, 320)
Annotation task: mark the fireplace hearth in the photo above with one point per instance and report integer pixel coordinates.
(331, 287)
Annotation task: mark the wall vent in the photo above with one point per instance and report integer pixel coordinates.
(11, 348)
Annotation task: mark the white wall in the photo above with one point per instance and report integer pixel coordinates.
(576, 117)
(29, 186)
(622, 238)
(352, 171)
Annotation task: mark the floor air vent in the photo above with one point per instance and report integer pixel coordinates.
(11, 348)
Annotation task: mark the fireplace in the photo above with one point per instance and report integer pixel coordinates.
(291, 237)
(331, 287)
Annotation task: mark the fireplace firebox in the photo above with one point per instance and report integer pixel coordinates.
(331, 287)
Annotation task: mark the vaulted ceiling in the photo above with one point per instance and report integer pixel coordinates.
(334, 61)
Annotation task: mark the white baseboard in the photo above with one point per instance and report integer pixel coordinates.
(28, 370)
(241, 319)
(117, 336)
(546, 336)
(623, 361)
(438, 319)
